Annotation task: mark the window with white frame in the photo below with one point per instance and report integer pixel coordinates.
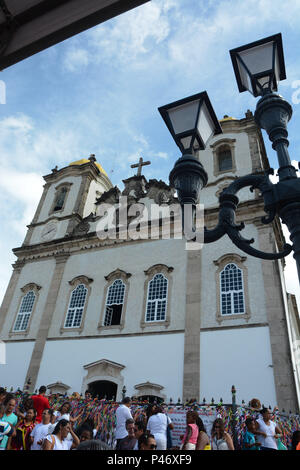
(232, 290)
(24, 313)
(157, 298)
(114, 303)
(76, 307)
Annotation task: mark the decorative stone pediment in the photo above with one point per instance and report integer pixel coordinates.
(221, 142)
(80, 280)
(30, 286)
(135, 187)
(58, 387)
(149, 388)
(109, 197)
(117, 274)
(160, 192)
(65, 184)
(83, 227)
(230, 257)
(158, 268)
(103, 368)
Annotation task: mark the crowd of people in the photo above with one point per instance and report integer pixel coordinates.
(34, 425)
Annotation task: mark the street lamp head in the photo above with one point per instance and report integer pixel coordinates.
(259, 66)
(191, 122)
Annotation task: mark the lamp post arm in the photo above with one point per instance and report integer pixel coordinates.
(228, 205)
(244, 245)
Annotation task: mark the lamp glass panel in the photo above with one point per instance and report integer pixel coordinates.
(245, 78)
(186, 142)
(183, 118)
(259, 58)
(277, 66)
(205, 125)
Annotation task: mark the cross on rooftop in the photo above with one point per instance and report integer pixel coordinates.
(139, 166)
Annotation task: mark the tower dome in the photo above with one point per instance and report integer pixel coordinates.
(83, 161)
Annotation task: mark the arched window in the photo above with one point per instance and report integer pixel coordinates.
(224, 156)
(157, 296)
(225, 159)
(232, 290)
(76, 307)
(60, 199)
(114, 303)
(24, 313)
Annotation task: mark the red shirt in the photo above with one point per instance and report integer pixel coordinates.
(40, 403)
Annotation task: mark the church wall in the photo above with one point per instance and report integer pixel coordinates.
(92, 196)
(253, 278)
(240, 357)
(13, 373)
(154, 358)
(38, 272)
(60, 233)
(70, 200)
(133, 258)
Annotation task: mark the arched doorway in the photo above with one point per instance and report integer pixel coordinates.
(103, 389)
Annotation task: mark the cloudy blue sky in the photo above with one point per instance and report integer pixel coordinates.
(98, 92)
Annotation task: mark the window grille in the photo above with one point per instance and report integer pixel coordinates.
(76, 307)
(114, 303)
(157, 298)
(232, 290)
(225, 160)
(24, 313)
(60, 199)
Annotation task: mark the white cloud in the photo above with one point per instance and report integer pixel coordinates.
(76, 59)
(22, 190)
(133, 34)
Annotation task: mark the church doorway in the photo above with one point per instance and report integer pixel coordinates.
(103, 389)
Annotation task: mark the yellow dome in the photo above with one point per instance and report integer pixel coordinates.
(85, 160)
(228, 118)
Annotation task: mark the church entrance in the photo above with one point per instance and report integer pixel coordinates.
(103, 389)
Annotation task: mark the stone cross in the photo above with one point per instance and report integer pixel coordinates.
(139, 166)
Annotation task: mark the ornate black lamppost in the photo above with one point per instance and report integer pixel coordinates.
(258, 68)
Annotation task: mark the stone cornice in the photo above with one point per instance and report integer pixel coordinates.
(239, 125)
(248, 211)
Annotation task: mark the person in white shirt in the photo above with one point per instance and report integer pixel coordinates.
(122, 414)
(41, 430)
(267, 430)
(58, 439)
(157, 425)
(64, 412)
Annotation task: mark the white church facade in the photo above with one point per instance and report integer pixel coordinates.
(82, 312)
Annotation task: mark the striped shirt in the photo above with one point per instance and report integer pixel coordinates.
(5, 429)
